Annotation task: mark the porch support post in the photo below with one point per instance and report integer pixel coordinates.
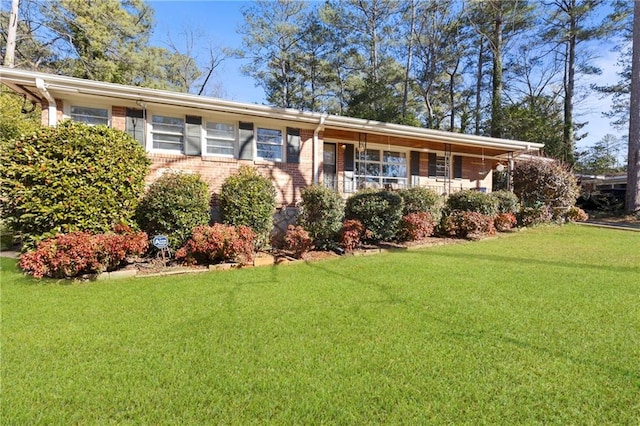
(510, 172)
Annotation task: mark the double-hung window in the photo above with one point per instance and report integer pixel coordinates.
(168, 132)
(90, 115)
(381, 168)
(221, 138)
(269, 144)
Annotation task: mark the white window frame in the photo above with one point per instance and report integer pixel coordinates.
(207, 138)
(165, 132)
(381, 180)
(70, 113)
(259, 127)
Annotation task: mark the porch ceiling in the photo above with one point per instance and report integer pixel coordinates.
(421, 144)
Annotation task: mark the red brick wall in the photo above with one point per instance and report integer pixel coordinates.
(288, 178)
(44, 116)
(118, 117)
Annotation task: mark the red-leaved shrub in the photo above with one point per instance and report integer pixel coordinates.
(77, 253)
(416, 226)
(532, 216)
(505, 221)
(469, 225)
(575, 214)
(218, 243)
(351, 234)
(298, 241)
(116, 247)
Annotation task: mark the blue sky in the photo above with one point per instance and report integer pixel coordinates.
(217, 23)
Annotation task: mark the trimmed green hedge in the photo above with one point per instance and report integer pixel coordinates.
(379, 211)
(473, 201)
(248, 198)
(72, 177)
(321, 214)
(173, 205)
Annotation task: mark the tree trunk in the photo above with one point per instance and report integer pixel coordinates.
(633, 167)
(478, 110)
(496, 94)
(407, 71)
(10, 54)
(570, 71)
(452, 95)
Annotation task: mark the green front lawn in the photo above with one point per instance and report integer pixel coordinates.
(542, 326)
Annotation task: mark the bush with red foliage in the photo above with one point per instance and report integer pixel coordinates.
(469, 225)
(351, 234)
(78, 253)
(218, 243)
(505, 221)
(298, 241)
(114, 248)
(416, 226)
(575, 214)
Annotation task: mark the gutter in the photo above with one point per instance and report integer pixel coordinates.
(53, 111)
(316, 154)
(65, 84)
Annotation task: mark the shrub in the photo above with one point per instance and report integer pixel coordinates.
(507, 201)
(298, 241)
(173, 205)
(218, 243)
(416, 226)
(114, 248)
(72, 177)
(503, 222)
(576, 214)
(539, 181)
(77, 253)
(379, 212)
(532, 216)
(15, 121)
(321, 214)
(419, 199)
(248, 198)
(351, 234)
(473, 201)
(466, 224)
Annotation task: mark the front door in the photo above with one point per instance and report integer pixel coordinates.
(329, 166)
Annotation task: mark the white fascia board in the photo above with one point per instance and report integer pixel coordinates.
(72, 85)
(419, 133)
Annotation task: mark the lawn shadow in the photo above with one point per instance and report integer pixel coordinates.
(525, 261)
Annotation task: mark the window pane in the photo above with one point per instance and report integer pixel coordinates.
(220, 138)
(220, 147)
(271, 152)
(168, 124)
(395, 157)
(221, 131)
(368, 155)
(269, 144)
(167, 132)
(270, 136)
(373, 169)
(94, 116)
(329, 156)
(394, 170)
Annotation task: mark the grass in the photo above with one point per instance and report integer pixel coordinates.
(542, 326)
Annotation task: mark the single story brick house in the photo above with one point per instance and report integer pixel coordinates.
(214, 137)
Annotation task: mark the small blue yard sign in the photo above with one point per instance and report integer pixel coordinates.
(160, 242)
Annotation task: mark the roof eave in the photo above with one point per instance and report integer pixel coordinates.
(17, 79)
